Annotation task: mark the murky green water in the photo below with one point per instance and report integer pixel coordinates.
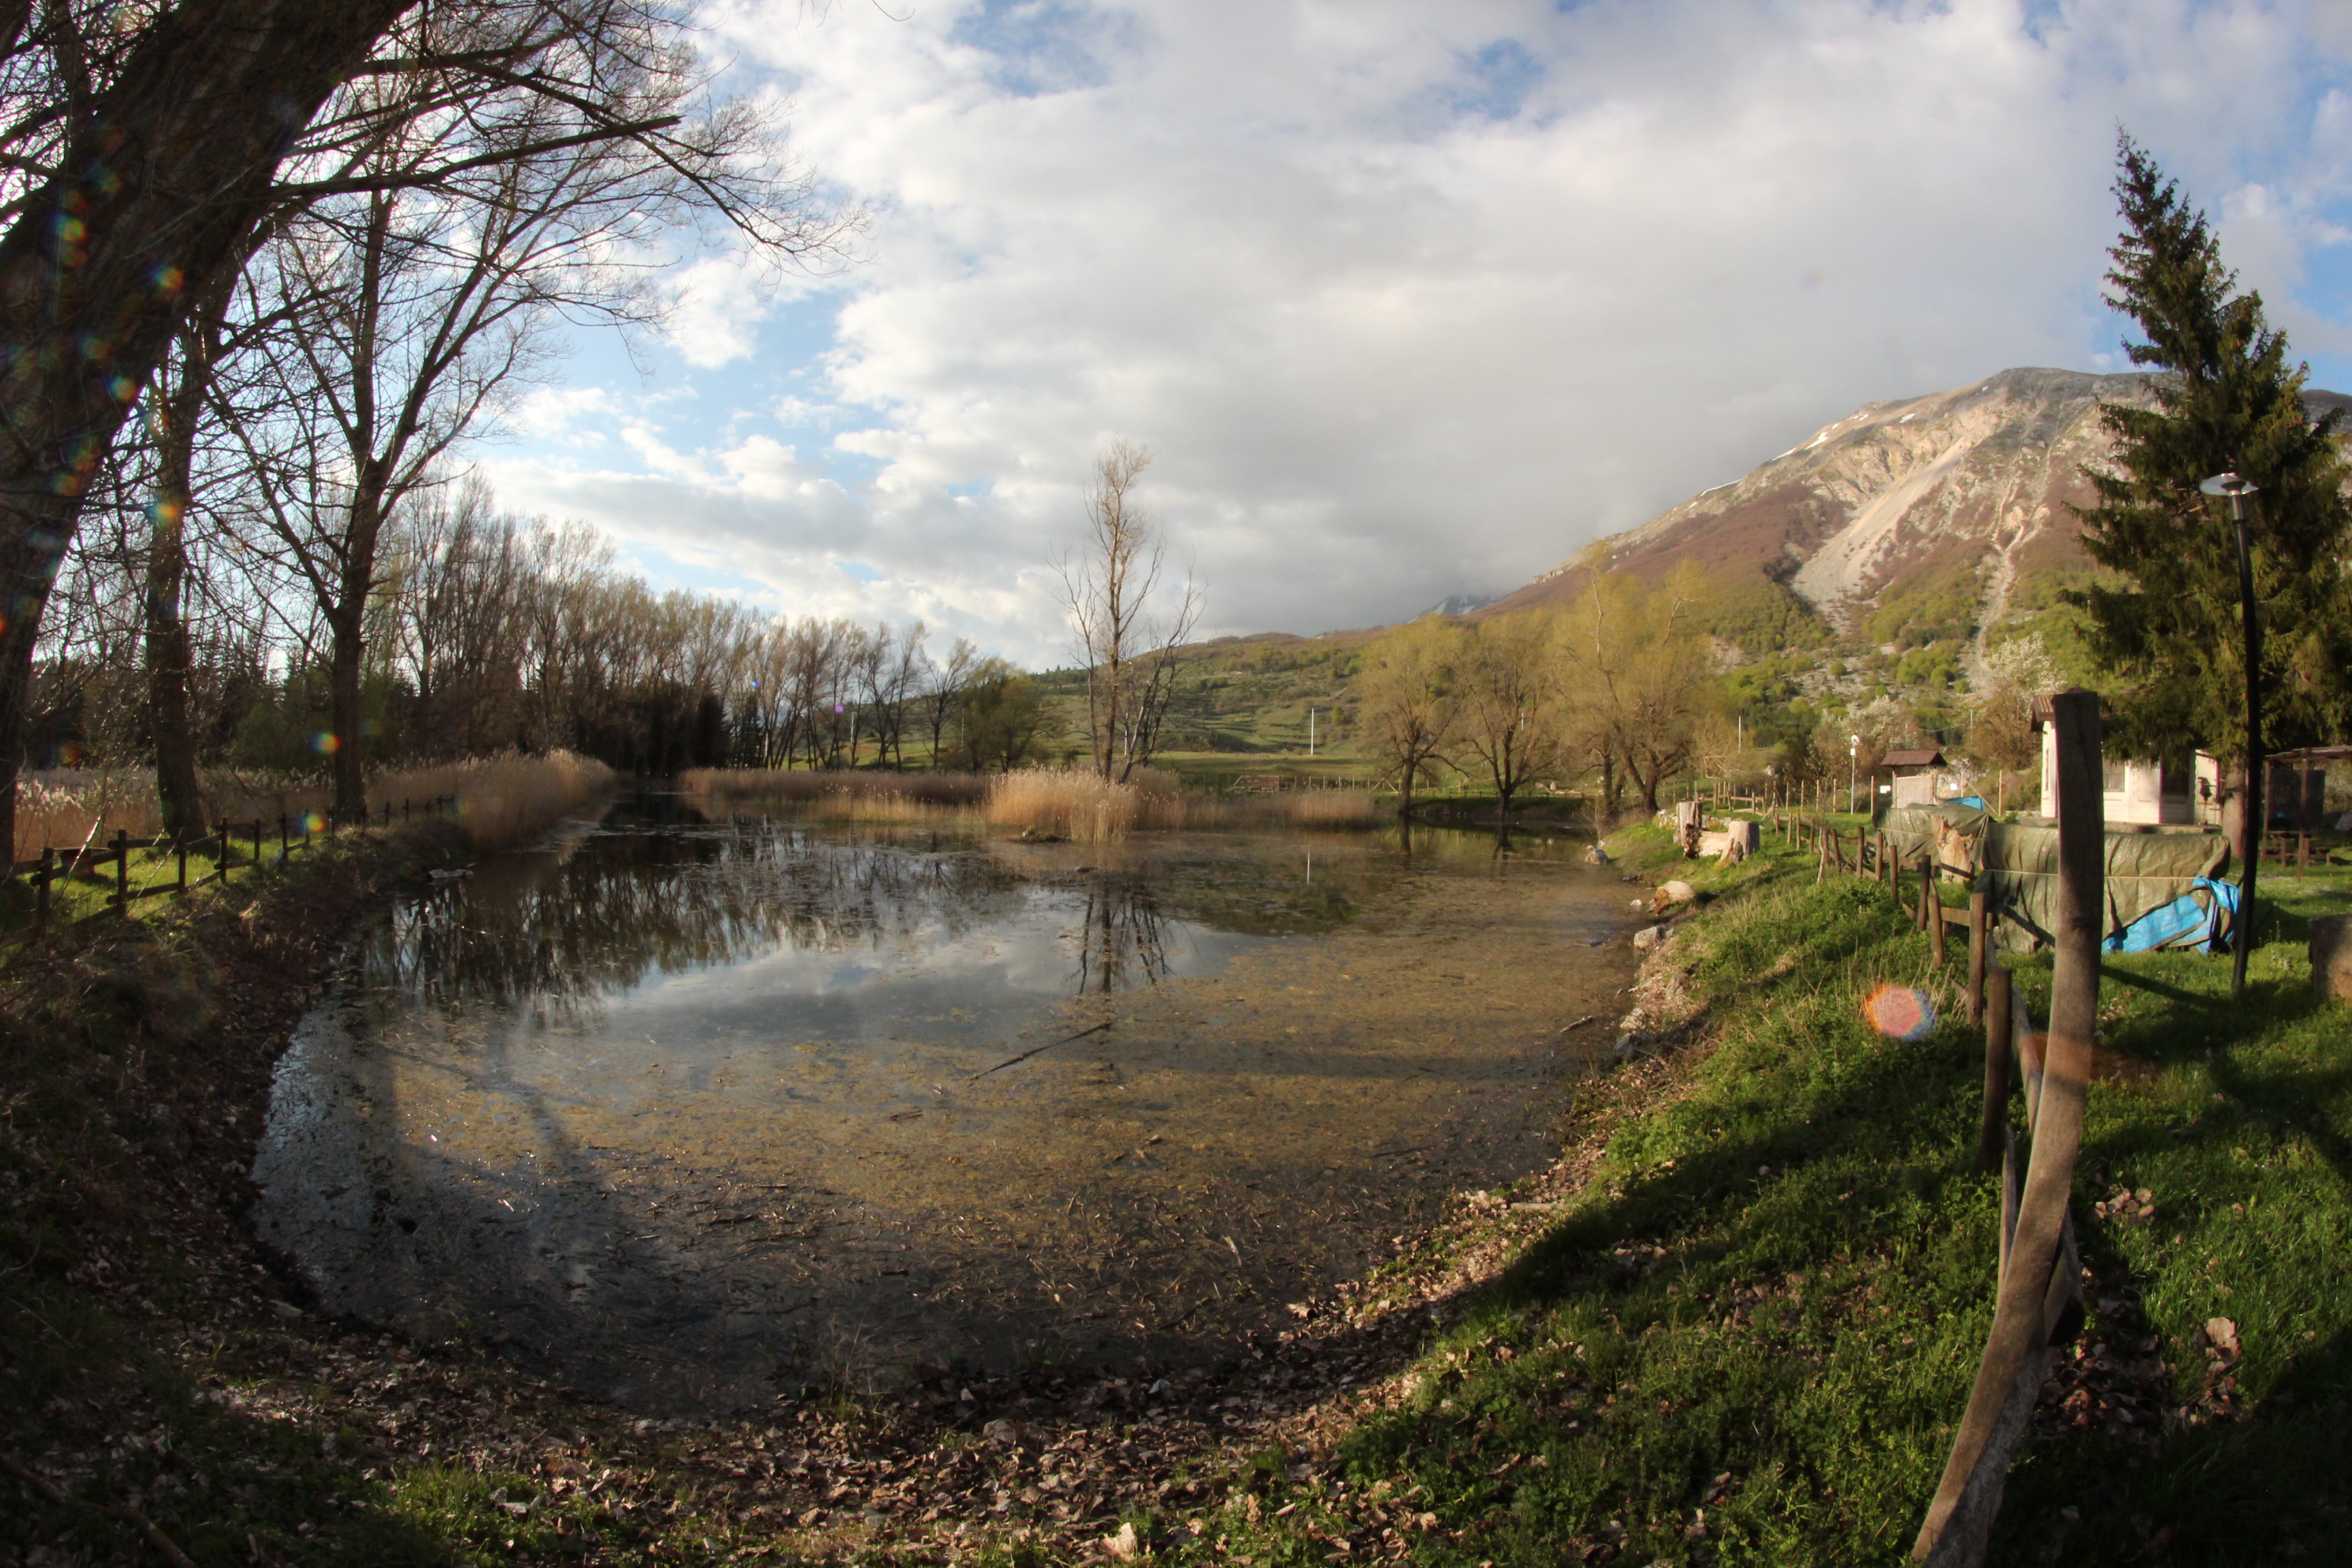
(684, 1113)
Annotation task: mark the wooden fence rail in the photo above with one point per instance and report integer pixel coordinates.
(295, 832)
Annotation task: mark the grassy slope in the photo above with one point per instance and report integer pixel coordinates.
(1747, 1335)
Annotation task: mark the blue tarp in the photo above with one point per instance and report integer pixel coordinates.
(2200, 916)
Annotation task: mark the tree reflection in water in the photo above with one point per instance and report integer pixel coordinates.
(1123, 940)
(563, 929)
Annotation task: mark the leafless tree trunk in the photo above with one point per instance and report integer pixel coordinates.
(150, 165)
(178, 404)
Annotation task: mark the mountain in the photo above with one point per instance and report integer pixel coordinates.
(1912, 521)
(1458, 605)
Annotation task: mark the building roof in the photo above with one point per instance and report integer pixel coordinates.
(2042, 705)
(1931, 758)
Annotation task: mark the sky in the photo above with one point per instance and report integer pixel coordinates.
(1407, 300)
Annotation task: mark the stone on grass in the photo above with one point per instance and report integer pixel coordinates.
(1669, 894)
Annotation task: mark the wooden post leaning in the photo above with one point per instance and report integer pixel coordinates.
(2032, 1296)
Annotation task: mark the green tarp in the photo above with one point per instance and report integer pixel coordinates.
(2017, 867)
(2145, 871)
(1911, 832)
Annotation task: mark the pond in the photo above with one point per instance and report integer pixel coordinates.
(687, 1114)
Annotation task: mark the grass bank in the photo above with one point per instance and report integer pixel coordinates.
(1740, 1322)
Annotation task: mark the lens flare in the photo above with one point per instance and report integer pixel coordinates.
(1900, 1011)
(313, 823)
(326, 743)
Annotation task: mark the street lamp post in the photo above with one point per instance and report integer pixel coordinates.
(2238, 489)
(1852, 770)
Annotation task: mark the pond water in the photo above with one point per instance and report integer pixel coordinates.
(685, 1114)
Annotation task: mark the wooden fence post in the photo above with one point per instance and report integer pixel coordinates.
(256, 844)
(1933, 907)
(121, 872)
(2033, 1297)
(183, 863)
(1976, 947)
(41, 899)
(1992, 1135)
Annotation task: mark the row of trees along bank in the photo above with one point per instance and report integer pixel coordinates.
(486, 631)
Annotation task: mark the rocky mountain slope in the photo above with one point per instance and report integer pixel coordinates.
(1928, 514)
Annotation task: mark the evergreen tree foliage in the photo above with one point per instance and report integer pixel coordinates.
(2225, 399)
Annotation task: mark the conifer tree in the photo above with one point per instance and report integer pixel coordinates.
(2165, 620)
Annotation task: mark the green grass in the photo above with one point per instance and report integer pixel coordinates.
(92, 892)
(1748, 1337)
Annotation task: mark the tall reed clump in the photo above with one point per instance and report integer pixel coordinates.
(1066, 804)
(69, 807)
(768, 786)
(501, 800)
(1082, 806)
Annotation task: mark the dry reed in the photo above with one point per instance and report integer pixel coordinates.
(501, 800)
(1082, 806)
(1061, 803)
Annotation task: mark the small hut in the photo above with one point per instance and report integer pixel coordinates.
(1918, 776)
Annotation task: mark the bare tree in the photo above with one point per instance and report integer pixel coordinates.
(149, 145)
(943, 690)
(1129, 650)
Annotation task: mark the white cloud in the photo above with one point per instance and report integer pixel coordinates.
(1411, 300)
(716, 305)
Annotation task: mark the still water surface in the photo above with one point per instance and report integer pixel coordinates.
(686, 1114)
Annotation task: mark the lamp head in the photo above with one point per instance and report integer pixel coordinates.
(2229, 485)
